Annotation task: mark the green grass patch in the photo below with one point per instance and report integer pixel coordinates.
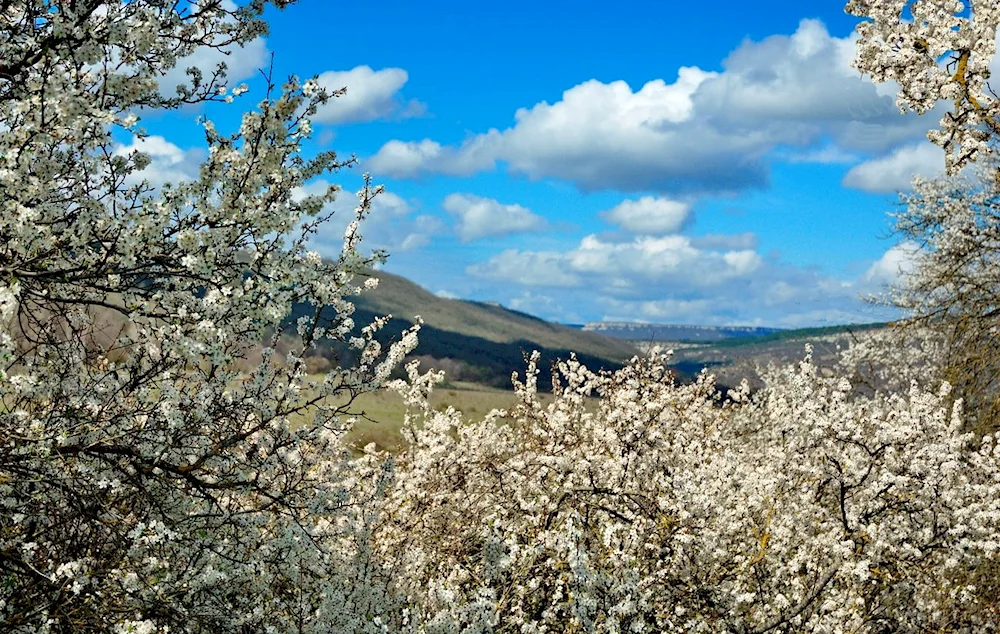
(380, 414)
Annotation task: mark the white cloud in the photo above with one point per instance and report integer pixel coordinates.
(622, 267)
(894, 264)
(600, 136)
(168, 163)
(672, 258)
(371, 94)
(393, 223)
(527, 268)
(894, 172)
(484, 217)
(411, 159)
(241, 62)
(784, 81)
(705, 132)
(397, 158)
(650, 215)
(714, 279)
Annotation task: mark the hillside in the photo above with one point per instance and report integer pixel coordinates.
(481, 342)
(402, 298)
(484, 342)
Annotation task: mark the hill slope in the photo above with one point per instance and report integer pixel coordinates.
(403, 299)
(484, 342)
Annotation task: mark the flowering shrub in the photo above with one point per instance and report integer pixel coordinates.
(659, 508)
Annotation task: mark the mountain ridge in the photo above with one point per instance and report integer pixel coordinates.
(646, 331)
(475, 341)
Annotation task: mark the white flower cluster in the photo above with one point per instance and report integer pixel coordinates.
(148, 482)
(631, 504)
(936, 50)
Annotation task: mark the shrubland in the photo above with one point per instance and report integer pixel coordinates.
(148, 485)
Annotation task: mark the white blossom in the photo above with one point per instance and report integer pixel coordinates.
(936, 50)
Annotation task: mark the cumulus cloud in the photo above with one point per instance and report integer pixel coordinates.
(168, 163)
(601, 136)
(800, 90)
(478, 217)
(371, 94)
(714, 279)
(704, 132)
(621, 267)
(790, 84)
(407, 160)
(649, 215)
(894, 264)
(527, 268)
(668, 258)
(894, 172)
(393, 223)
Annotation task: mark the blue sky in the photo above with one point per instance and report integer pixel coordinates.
(671, 162)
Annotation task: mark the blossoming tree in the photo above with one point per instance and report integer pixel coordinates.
(145, 485)
(940, 52)
(936, 50)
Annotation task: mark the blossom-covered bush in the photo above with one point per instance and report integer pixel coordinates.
(145, 484)
(632, 504)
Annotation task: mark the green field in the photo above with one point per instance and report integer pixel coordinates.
(380, 414)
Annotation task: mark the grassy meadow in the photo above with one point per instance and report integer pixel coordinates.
(380, 414)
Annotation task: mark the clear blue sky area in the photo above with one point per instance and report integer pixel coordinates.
(709, 163)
